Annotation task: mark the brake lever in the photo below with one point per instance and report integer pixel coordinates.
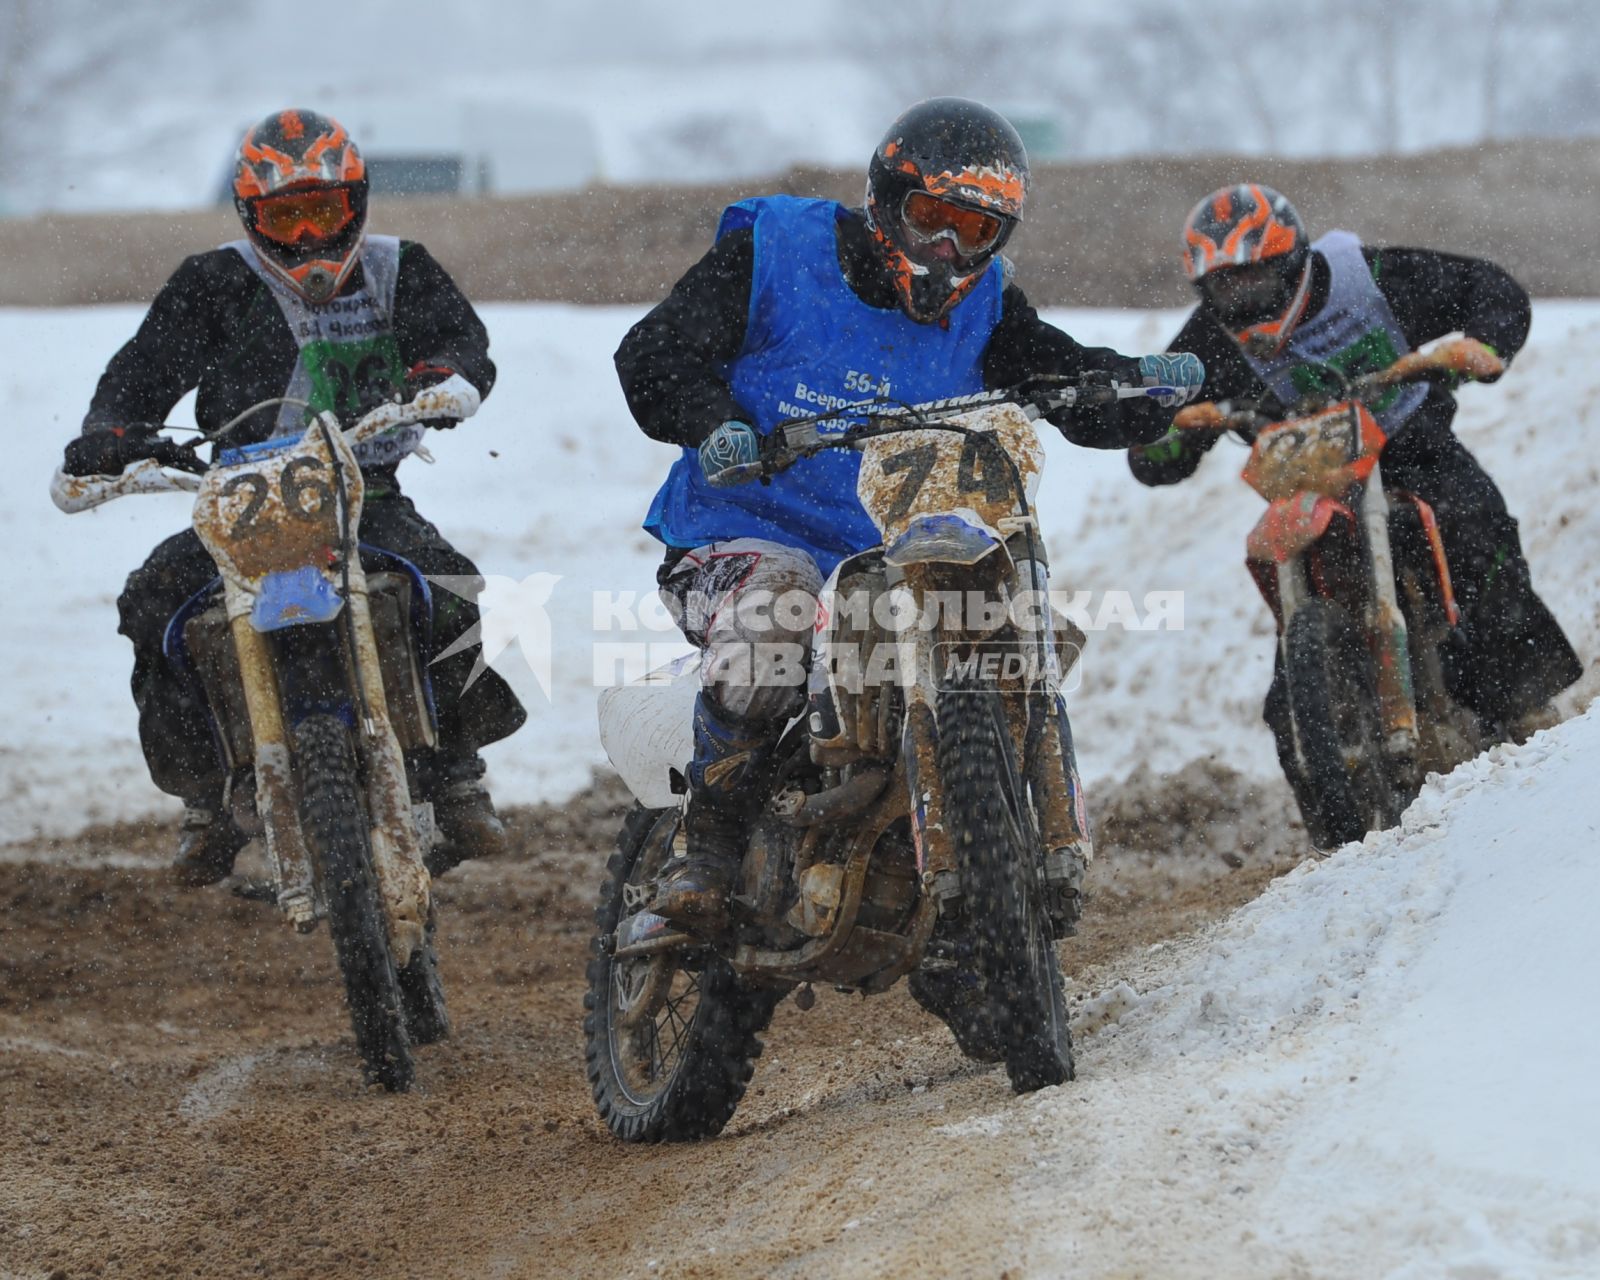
(181, 457)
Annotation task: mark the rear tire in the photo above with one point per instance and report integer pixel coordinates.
(1333, 705)
(676, 1073)
(1008, 942)
(335, 826)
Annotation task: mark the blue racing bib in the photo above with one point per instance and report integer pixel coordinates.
(811, 345)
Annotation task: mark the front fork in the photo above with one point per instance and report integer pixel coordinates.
(1065, 834)
(1385, 622)
(275, 792)
(1043, 742)
(403, 881)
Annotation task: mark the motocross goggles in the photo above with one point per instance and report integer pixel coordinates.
(319, 214)
(928, 217)
(1249, 294)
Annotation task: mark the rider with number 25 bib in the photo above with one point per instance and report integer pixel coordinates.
(1273, 303)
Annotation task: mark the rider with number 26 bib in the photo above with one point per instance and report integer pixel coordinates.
(307, 306)
(799, 307)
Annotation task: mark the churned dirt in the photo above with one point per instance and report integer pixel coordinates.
(181, 1096)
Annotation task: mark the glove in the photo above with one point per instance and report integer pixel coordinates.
(106, 451)
(731, 445)
(1179, 369)
(421, 376)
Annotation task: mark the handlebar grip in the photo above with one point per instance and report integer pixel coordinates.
(179, 457)
(1207, 415)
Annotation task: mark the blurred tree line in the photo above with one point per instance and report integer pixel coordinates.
(1315, 77)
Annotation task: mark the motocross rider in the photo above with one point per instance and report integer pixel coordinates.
(806, 304)
(307, 305)
(1272, 300)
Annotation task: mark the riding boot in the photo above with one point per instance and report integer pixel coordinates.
(464, 814)
(208, 843)
(729, 756)
(1509, 657)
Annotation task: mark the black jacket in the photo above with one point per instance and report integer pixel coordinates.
(217, 327)
(669, 361)
(1431, 294)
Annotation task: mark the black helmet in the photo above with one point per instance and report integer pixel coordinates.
(300, 187)
(1249, 257)
(944, 193)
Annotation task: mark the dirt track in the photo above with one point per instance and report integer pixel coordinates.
(181, 1096)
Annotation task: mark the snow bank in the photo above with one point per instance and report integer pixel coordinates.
(1384, 1066)
(553, 477)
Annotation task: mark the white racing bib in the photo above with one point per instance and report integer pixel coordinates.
(348, 354)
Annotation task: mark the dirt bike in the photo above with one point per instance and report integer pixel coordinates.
(922, 817)
(305, 652)
(1359, 584)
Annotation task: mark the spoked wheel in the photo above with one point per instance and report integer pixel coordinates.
(656, 1003)
(1009, 945)
(672, 1036)
(1333, 701)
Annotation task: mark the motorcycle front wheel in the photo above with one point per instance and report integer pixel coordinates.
(1333, 703)
(673, 1037)
(1007, 942)
(335, 827)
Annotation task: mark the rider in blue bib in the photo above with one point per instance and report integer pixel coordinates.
(799, 307)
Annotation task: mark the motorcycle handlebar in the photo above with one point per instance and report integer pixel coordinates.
(1416, 366)
(453, 398)
(798, 438)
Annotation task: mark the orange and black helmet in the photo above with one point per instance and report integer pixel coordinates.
(945, 189)
(300, 187)
(1248, 255)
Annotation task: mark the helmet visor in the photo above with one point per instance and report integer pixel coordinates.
(290, 218)
(927, 218)
(1253, 293)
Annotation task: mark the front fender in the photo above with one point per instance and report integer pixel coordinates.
(943, 539)
(295, 598)
(1290, 525)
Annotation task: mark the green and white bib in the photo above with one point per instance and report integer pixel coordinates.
(1355, 332)
(348, 353)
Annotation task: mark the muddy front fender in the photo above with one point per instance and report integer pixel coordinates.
(1290, 525)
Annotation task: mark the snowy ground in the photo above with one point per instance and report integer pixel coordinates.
(553, 477)
(1384, 1066)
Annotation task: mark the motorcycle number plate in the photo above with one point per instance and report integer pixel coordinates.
(1324, 453)
(911, 475)
(275, 513)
